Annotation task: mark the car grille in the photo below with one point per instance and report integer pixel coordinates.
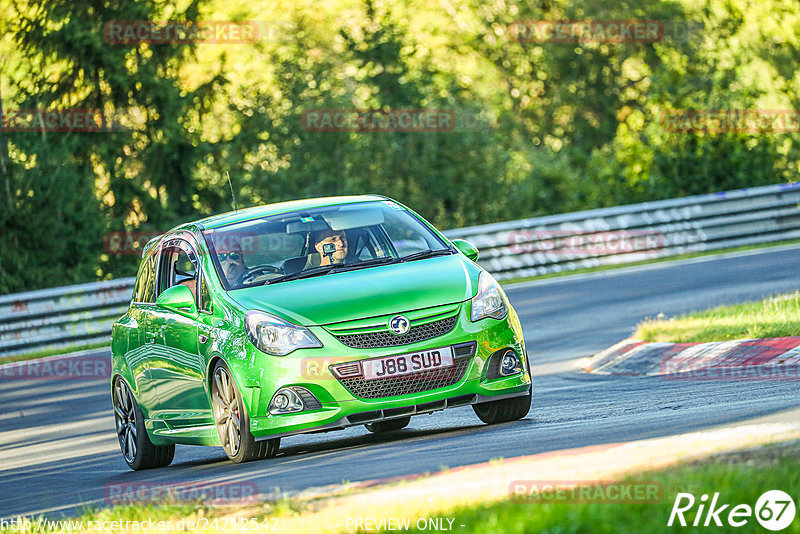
(414, 382)
(374, 340)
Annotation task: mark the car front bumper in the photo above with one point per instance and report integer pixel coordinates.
(342, 408)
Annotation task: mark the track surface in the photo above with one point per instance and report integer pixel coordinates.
(58, 448)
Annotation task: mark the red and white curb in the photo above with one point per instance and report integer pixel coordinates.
(746, 358)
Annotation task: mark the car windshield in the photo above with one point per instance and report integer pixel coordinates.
(319, 241)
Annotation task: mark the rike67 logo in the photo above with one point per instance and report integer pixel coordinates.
(774, 510)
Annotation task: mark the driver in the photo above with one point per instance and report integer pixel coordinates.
(232, 262)
(332, 246)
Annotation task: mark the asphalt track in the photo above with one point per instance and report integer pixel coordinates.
(58, 448)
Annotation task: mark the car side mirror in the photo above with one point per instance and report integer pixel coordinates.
(177, 298)
(466, 248)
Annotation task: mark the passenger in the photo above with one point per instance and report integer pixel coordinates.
(336, 250)
(232, 263)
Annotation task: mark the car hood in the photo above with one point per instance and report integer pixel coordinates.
(367, 292)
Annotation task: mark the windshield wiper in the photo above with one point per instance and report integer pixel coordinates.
(426, 254)
(316, 271)
(366, 263)
(338, 268)
(333, 268)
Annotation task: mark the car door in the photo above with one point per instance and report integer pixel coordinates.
(176, 366)
(140, 339)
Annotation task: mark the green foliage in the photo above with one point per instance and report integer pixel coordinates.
(777, 316)
(541, 127)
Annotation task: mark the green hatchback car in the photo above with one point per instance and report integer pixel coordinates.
(307, 316)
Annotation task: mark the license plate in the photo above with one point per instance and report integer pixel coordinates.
(405, 364)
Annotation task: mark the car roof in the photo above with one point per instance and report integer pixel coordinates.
(231, 217)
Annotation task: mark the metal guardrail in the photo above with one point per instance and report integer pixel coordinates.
(62, 316)
(82, 314)
(635, 232)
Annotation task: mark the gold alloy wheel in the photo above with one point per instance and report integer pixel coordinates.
(226, 411)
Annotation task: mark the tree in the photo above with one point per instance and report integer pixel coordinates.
(69, 187)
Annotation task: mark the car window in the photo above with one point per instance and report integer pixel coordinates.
(368, 243)
(184, 268)
(178, 266)
(406, 238)
(146, 282)
(270, 248)
(348, 236)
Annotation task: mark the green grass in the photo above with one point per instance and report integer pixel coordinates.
(650, 261)
(739, 478)
(53, 352)
(777, 316)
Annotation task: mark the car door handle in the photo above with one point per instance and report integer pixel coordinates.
(202, 338)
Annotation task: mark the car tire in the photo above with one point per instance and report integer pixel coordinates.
(233, 422)
(389, 425)
(137, 449)
(504, 410)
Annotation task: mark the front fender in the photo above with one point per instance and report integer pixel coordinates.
(243, 365)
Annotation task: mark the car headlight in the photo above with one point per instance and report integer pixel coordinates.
(490, 301)
(277, 337)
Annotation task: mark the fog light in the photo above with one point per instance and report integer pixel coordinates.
(281, 401)
(285, 401)
(510, 364)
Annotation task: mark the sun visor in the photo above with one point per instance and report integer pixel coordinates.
(301, 226)
(347, 218)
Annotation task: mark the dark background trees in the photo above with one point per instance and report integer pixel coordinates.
(542, 127)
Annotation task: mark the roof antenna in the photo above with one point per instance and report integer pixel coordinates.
(235, 209)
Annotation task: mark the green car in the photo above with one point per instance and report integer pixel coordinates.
(307, 316)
